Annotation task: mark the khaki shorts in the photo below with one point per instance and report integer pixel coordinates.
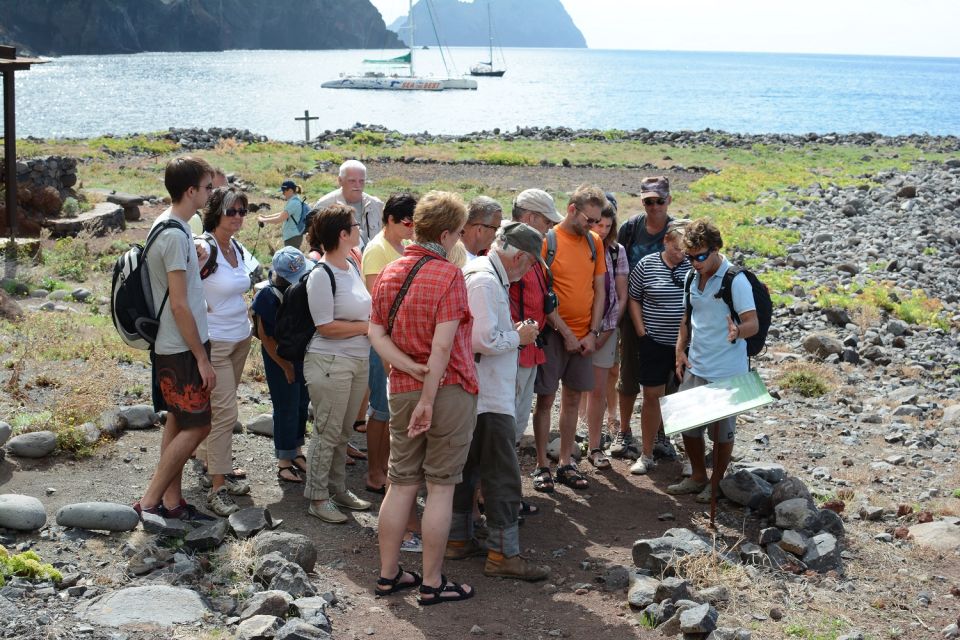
(438, 455)
(574, 369)
(606, 356)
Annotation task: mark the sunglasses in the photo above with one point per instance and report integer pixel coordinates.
(235, 212)
(588, 218)
(488, 226)
(700, 257)
(407, 222)
(649, 202)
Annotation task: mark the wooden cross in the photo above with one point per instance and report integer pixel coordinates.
(306, 123)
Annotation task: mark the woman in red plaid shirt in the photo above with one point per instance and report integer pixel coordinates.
(425, 338)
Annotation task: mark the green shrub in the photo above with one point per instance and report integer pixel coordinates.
(810, 381)
(26, 565)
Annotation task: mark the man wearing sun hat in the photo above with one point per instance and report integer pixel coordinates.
(493, 458)
(640, 236)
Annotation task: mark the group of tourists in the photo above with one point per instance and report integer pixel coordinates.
(452, 325)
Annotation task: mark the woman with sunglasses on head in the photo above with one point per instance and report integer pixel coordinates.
(656, 309)
(225, 279)
(606, 367)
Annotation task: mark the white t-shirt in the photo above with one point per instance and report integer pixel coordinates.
(352, 302)
(226, 309)
(173, 250)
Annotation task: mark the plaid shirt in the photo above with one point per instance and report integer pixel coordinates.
(437, 294)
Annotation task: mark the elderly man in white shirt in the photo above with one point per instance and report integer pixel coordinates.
(493, 459)
(367, 209)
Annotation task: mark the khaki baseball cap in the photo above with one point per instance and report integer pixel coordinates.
(655, 187)
(539, 201)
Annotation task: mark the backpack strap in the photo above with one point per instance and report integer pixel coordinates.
(333, 281)
(593, 247)
(726, 290)
(551, 246)
(210, 266)
(395, 307)
(687, 284)
(151, 238)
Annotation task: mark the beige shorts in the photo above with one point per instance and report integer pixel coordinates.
(438, 455)
(606, 356)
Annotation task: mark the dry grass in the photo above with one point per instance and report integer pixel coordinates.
(809, 379)
(235, 561)
(866, 317)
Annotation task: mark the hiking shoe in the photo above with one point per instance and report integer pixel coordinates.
(463, 549)
(643, 465)
(704, 496)
(413, 545)
(327, 512)
(205, 481)
(187, 512)
(605, 441)
(663, 447)
(236, 486)
(685, 486)
(620, 443)
(348, 500)
(516, 567)
(687, 469)
(221, 502)
(153, 511)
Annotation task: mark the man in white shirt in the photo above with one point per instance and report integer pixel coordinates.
(484, 216)
(493, 458)
(368, 210)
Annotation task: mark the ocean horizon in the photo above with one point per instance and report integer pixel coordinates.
(264, 90)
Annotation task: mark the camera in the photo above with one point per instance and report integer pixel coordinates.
(550, 302)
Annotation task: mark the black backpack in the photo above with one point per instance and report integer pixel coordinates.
(295, 328)
(761, 299)
(131, 297)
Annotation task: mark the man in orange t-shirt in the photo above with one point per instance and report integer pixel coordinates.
(578, 274)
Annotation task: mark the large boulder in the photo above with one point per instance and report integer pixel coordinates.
(37, 444)
(942, 535)
(795, 514)
(155, 604)
(642, 591)
(21, 513)
(292, 546)
(655, 554)
(748, 490)
(789, 488)
(822, 345)
(100, 516)
(823, 553)
(270, 603)
(5, 431)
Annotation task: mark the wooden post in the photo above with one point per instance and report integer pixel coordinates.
(306, 123)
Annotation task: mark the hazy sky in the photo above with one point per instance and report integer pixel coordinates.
(877, 27)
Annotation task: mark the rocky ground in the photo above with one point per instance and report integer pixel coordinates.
(878, 451)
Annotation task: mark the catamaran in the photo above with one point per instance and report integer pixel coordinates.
(408, 81)
(486, 68)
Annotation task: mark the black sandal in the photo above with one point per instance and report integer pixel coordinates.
(527, 509)
(395, 584)
(570, 476)
(300, 457)
(543, 480)
(446, 586)
(294, 470)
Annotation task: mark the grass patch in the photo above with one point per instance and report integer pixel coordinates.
(913, 307)
(828, 629)
(808, 379)
(25, 565)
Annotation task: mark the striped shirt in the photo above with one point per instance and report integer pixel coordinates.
(659, 290)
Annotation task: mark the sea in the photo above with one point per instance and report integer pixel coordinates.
(264, 91)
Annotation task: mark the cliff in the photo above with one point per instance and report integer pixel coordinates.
(516, 23)
(64, 27)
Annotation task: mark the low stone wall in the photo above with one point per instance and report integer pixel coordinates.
(58, 172)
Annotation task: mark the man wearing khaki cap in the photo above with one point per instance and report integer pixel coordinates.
(536, 208)
(640, 236)
(493, 458)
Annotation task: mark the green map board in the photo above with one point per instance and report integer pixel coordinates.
(695, 407)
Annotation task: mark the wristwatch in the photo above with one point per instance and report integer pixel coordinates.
(596, 333)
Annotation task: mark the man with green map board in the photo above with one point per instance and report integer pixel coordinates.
(717, 349)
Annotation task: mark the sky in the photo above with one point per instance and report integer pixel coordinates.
(864, 27)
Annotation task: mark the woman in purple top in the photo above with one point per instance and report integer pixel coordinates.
(606, 368)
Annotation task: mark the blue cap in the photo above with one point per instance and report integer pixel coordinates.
(288, 184)
(290, 264)
(612, 199)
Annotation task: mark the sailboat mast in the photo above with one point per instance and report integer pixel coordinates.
(412, 31)
(490, 32)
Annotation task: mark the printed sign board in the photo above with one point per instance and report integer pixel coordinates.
(686, 410)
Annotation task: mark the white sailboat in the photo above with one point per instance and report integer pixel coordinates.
(409, 81)
(486, 67)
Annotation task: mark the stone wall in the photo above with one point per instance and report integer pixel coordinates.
(50, 171)
(43, 184)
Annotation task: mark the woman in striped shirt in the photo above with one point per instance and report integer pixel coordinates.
(656, 308)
